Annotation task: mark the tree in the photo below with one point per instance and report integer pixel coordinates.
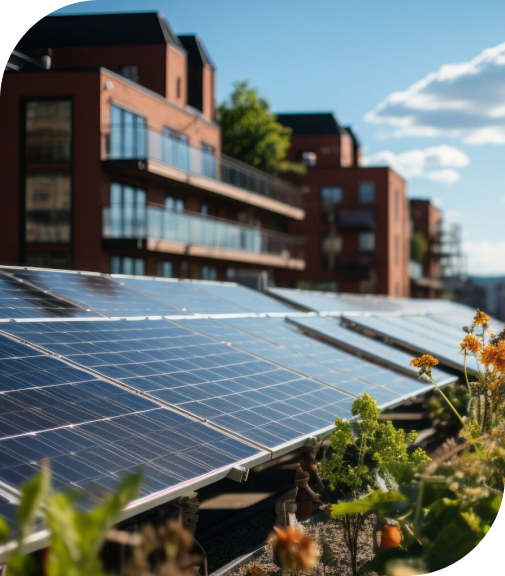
(418, 247)
(252, 134)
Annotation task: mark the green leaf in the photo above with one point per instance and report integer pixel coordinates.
(4, 531)
(33, 494)
(384, 503)
(400, 472)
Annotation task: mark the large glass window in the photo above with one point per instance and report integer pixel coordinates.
(128, 134)
(166, 269)
(331, 247)
(331, 198)
(176, 149)
(366, 192)
(48, 208)
(127, 265)
(366, 241)
(208, 273)
(128, 212)
(48, 131)
(174, 204)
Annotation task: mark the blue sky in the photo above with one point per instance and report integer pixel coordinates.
(447, 135)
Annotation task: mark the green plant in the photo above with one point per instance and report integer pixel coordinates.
(75, 538)
(252, 134)
(360, 451)
(418, 247)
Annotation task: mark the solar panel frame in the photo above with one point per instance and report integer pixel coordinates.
(94, 291)
(360, 377)
(332, 331)
(226, 372)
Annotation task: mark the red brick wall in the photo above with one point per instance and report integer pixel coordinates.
(176, 74)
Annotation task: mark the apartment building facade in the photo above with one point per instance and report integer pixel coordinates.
(426, 268)
(357, 217)
(111, 159)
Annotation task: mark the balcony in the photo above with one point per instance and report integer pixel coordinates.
(355, 218)
(356, 267)
(166, 154)
(203, 236)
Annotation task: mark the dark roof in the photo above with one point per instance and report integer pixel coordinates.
(310, 123)
(196, 50)
(100, 30)
(352, 134)
(19, 62)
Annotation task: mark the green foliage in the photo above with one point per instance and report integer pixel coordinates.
(383, 503)
(418, 247)
(76, 538)
(252, 134)
(362, 448)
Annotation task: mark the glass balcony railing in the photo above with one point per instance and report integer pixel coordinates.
(138, 142)
(195, 229)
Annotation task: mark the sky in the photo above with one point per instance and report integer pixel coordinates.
(423, 84)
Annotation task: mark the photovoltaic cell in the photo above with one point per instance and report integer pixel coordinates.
(19, 301)
(97, 292)
(94, 432)
(313, 301)
(180, 294)
(330, 328)
(273, 339)
(260, 401)
(243, 297)
(410, 334)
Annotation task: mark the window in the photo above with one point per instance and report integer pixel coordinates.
(331, 197)
(174, 204)
(397, 205)
(47, 198)
(309, 158)
(48, 131)
(166, 269)
(208, 273)
(128, 213)
(331, 247)
(397, 250)
(178, 87)
(127, 265)
(366, 241)
(208, 160)
(366, 192)
(175, 149)
(128, 134)
(130, 72)
(61, 260)
(204, 209)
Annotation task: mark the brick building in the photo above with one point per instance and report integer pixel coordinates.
(426, 268)
(357, 223)
(111, 159)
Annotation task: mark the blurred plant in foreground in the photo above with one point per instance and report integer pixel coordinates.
(294, 551)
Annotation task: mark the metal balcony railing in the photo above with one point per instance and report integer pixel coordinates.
(195, 229)
(137, 142)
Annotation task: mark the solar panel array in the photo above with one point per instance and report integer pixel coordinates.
(104, 375)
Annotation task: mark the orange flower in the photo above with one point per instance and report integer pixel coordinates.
(294, 550)
(424, 363)
(488, 356)
(480, 318)
(500, 356)
(471, 343)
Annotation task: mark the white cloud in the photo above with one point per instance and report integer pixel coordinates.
(447, 176)
(420, 163)
(463, 100)
(485, 258)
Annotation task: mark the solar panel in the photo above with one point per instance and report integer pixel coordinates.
(412, 335)
(313, 359)
(260, 401)
(179, 294)
(94, 432)
(312, 301)
(243, 297)
(330, 329)
(20, 301)
(96, 292)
